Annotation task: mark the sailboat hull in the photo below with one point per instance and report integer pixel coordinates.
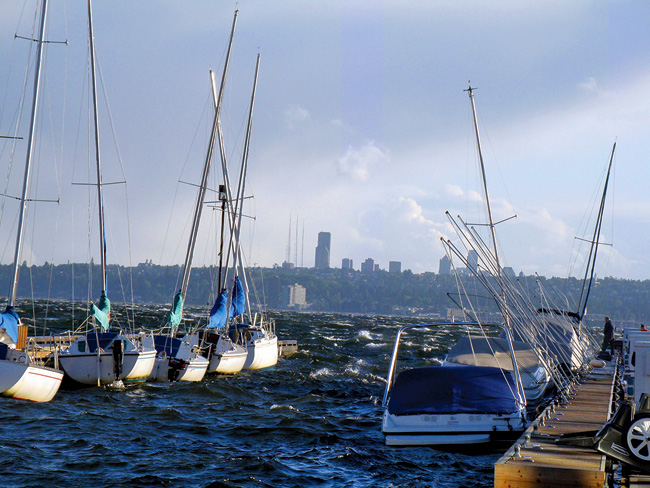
(94, 369)
(29, 381)
(166, 369)
(262, 352)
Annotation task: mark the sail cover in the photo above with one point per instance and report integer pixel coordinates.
(238, 305)
(102, 311)
(454, 389)
(176, 314)
(9, 322)
(219, 312)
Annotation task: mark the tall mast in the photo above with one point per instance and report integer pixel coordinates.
(187, 269)
(470, 91)
(100, 199)
(28, 159)
(240, 190)
(591, 262)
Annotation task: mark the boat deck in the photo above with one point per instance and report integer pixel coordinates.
(536, 460)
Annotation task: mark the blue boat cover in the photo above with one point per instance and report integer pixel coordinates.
(454, 389)
(102, 311)
(9, 322)
(176, 314)
(238, 304)
(105, 340)
(219, 312)
(166, 344)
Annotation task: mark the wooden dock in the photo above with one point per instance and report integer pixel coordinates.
(536, 460)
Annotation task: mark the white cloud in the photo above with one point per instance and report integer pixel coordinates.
(358, 162)
(294, 115)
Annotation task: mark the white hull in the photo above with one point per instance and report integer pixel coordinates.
(262, 352)
(193, 370)
(450, 429)
(226, 357)
(230, 362)
(29, 381)
(94, 369)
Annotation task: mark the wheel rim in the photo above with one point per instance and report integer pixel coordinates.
(638, 439)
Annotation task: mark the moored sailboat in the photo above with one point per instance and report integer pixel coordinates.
(100, 356)
(21, 375)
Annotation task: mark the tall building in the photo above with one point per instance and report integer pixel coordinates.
(368, 266)
(294, 296)
(322, 260)
(445, 265)
(347, 263)
(394, 266)
(472, 260)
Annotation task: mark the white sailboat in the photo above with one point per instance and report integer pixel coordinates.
(101, 357)
(210, 350)
(21, 376)
(255, 331)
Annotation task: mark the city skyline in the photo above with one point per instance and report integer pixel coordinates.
(360, 126)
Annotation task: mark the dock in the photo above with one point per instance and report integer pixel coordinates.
(536, 460)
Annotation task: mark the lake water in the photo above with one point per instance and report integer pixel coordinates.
(313, 420)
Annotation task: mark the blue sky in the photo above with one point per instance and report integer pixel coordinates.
(361, 126)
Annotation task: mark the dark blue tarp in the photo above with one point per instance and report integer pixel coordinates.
(9, 322)
(105, 340)
(166, 344)
(219, 312)
(454, 389)
(238, 304)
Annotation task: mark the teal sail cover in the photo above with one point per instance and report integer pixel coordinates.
(219, 312)
(9, 322)
(102, 311)
(238, 304)
(176, 314)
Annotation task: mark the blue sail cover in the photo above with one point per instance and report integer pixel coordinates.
(238, 304)
(102, 311)
(219, 312)
(9, 322)
(454, 389)
(176, 314)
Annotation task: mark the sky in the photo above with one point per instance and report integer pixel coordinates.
(361, 128)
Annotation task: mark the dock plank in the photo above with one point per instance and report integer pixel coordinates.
(536, 460)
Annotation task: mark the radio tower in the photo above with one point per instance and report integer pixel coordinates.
(288, 259)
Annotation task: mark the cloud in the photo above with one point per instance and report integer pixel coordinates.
(295, 114)
(357, 162)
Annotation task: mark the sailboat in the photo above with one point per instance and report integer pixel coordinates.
(100, 356)
(255, 331)
(459, 402)
(208, 351)
(21, 375)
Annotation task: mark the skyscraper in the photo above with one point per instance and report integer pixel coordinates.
(322, 260)
(445, 265)
(472, 260)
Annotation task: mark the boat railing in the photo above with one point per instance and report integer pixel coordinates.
(393, 361)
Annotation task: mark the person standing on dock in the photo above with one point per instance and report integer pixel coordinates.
(608, 336)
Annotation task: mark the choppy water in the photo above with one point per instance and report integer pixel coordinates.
(313, 420)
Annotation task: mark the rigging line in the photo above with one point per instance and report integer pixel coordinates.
(110, 117)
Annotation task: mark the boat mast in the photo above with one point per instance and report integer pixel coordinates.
(240, 192)
(28, 159)
(491, 224)
(591, 262)
(100, 199)
(470, 91)
(187, 269)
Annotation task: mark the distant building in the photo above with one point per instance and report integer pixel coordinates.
(445, 266)
(394, 266)
(347, 263)
(368, 266)
(294, 296)
(377, 268)
(472, 260)
(322, 260)
(287, 265)
(509, 272)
